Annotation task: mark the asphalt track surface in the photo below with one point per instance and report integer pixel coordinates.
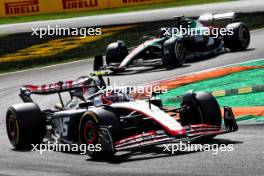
(246, 159)
(134, 17)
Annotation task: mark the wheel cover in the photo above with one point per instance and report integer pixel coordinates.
(89, 133)
(180, 52)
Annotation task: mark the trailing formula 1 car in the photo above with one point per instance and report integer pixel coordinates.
(208, 35)
(94, 115)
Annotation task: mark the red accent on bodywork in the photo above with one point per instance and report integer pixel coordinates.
(204, 125)
(208, 132)
(32, 87)
(204, 129)
(135, 136)
(47, 88)
(43, 88)
(69, 83)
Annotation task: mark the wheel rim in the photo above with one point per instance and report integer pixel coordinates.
(12, 129)
(180, 52)
(90, 133)
(244, 36)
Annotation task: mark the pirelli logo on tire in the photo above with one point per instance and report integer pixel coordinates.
(21, 7)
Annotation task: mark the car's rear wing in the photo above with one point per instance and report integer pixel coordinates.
(59, 87)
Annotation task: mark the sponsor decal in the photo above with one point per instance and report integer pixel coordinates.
(79, 4)
(22, 7)
(135, 1)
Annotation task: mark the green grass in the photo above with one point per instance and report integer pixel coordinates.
(235, 80)
(232, 81)
(53, 16)
(250, 119)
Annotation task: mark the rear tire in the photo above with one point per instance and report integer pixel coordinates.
(116, 52)
(25, 125)
(240, 39)
(173, 52)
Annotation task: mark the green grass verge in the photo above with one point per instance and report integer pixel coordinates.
(254, 63)
(101, 12)
(250, 119)
(243, 100)
(235, 80)
(232, 81)
(131, 37)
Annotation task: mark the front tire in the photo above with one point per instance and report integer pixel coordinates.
(25, 125)
(116, 52)
(174, 52)
(90, 132)
(203, 109)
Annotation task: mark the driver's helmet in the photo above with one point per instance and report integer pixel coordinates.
(117, 97)
(111, 97)
(91, 87)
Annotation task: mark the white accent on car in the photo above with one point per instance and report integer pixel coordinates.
(153, 112)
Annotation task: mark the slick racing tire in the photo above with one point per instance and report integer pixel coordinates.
(240, 39)
(202, 109)
(25, 125)
(116, 52)
(174, 52)
(89, 131)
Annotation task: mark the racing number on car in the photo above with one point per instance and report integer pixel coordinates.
(64, 126)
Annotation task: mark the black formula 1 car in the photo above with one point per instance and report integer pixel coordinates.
(114, 120)
(188, 39)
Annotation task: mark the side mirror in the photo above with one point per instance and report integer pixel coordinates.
(85, 105)
(98, 62)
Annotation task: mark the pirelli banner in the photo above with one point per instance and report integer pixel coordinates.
(124, 3)
(9, 8)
